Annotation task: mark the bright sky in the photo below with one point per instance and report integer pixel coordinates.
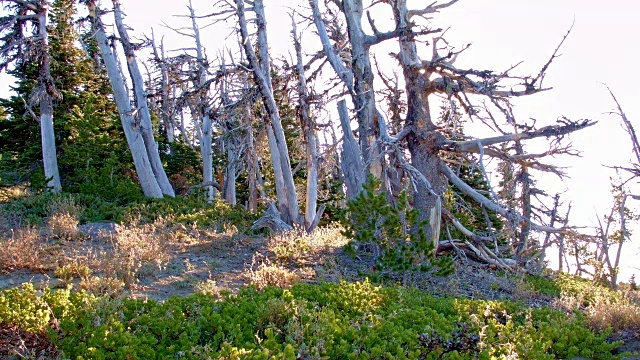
(602, 48)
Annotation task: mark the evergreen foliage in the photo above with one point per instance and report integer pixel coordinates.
(391, 234)
(92, 153)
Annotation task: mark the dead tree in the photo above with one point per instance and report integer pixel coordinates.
(202, 107)
(132, 124)
(421, 137)
(17, 46)
(140, 101)
(620, 213)
(260, 66)
(312, 213)
(166, 106)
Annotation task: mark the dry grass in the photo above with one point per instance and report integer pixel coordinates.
(263, 273)
(297, 247)
(109, 286)
(601, 312)
(63, 219)
(9, 193)
(136, 251)
(26, 248)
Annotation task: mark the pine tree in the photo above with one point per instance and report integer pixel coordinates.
(92, 144)
(91, 150)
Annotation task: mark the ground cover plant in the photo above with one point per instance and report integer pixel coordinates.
(346, 320)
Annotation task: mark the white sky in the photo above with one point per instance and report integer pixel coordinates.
(602, 48)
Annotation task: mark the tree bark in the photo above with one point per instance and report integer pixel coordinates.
(287, 196)
(423, 141)
(309, 135)
(350, 160)
(131, 127)
(49, 157)
(142, 107)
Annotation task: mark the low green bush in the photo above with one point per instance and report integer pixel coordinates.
(543, 285)
(189, 210)
(34, 209)
(391, 235)
(336, 321)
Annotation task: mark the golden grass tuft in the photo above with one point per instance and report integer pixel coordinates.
(263, 273)
(137, 251)
(297, 247)
(108, 286)
(602, 312)
(26, 248)
(64, 217)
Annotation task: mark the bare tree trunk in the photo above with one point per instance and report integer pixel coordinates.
(166, 111)
(142, 106)
(47, 88)
(230, 175)
(287, 196)
(206, 140)
(364, 97)
(207, 155)
(351, 162)
(561, 241)
(252, 160)
(283, 204)
(358, 79)
(132, 129)
(309, 135)
(423, 141)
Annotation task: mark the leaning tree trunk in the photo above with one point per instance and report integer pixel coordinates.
(131, 127)
(49, 158)
(142, 107)
(287, 195)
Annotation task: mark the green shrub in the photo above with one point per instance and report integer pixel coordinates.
(189, 210)
(392, 235)
(336, 321)
(34, 209)
(543, 285)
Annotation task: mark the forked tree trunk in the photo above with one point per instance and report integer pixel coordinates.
(132, 130)
(423, 141)
(142, 107)
(364, 97)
